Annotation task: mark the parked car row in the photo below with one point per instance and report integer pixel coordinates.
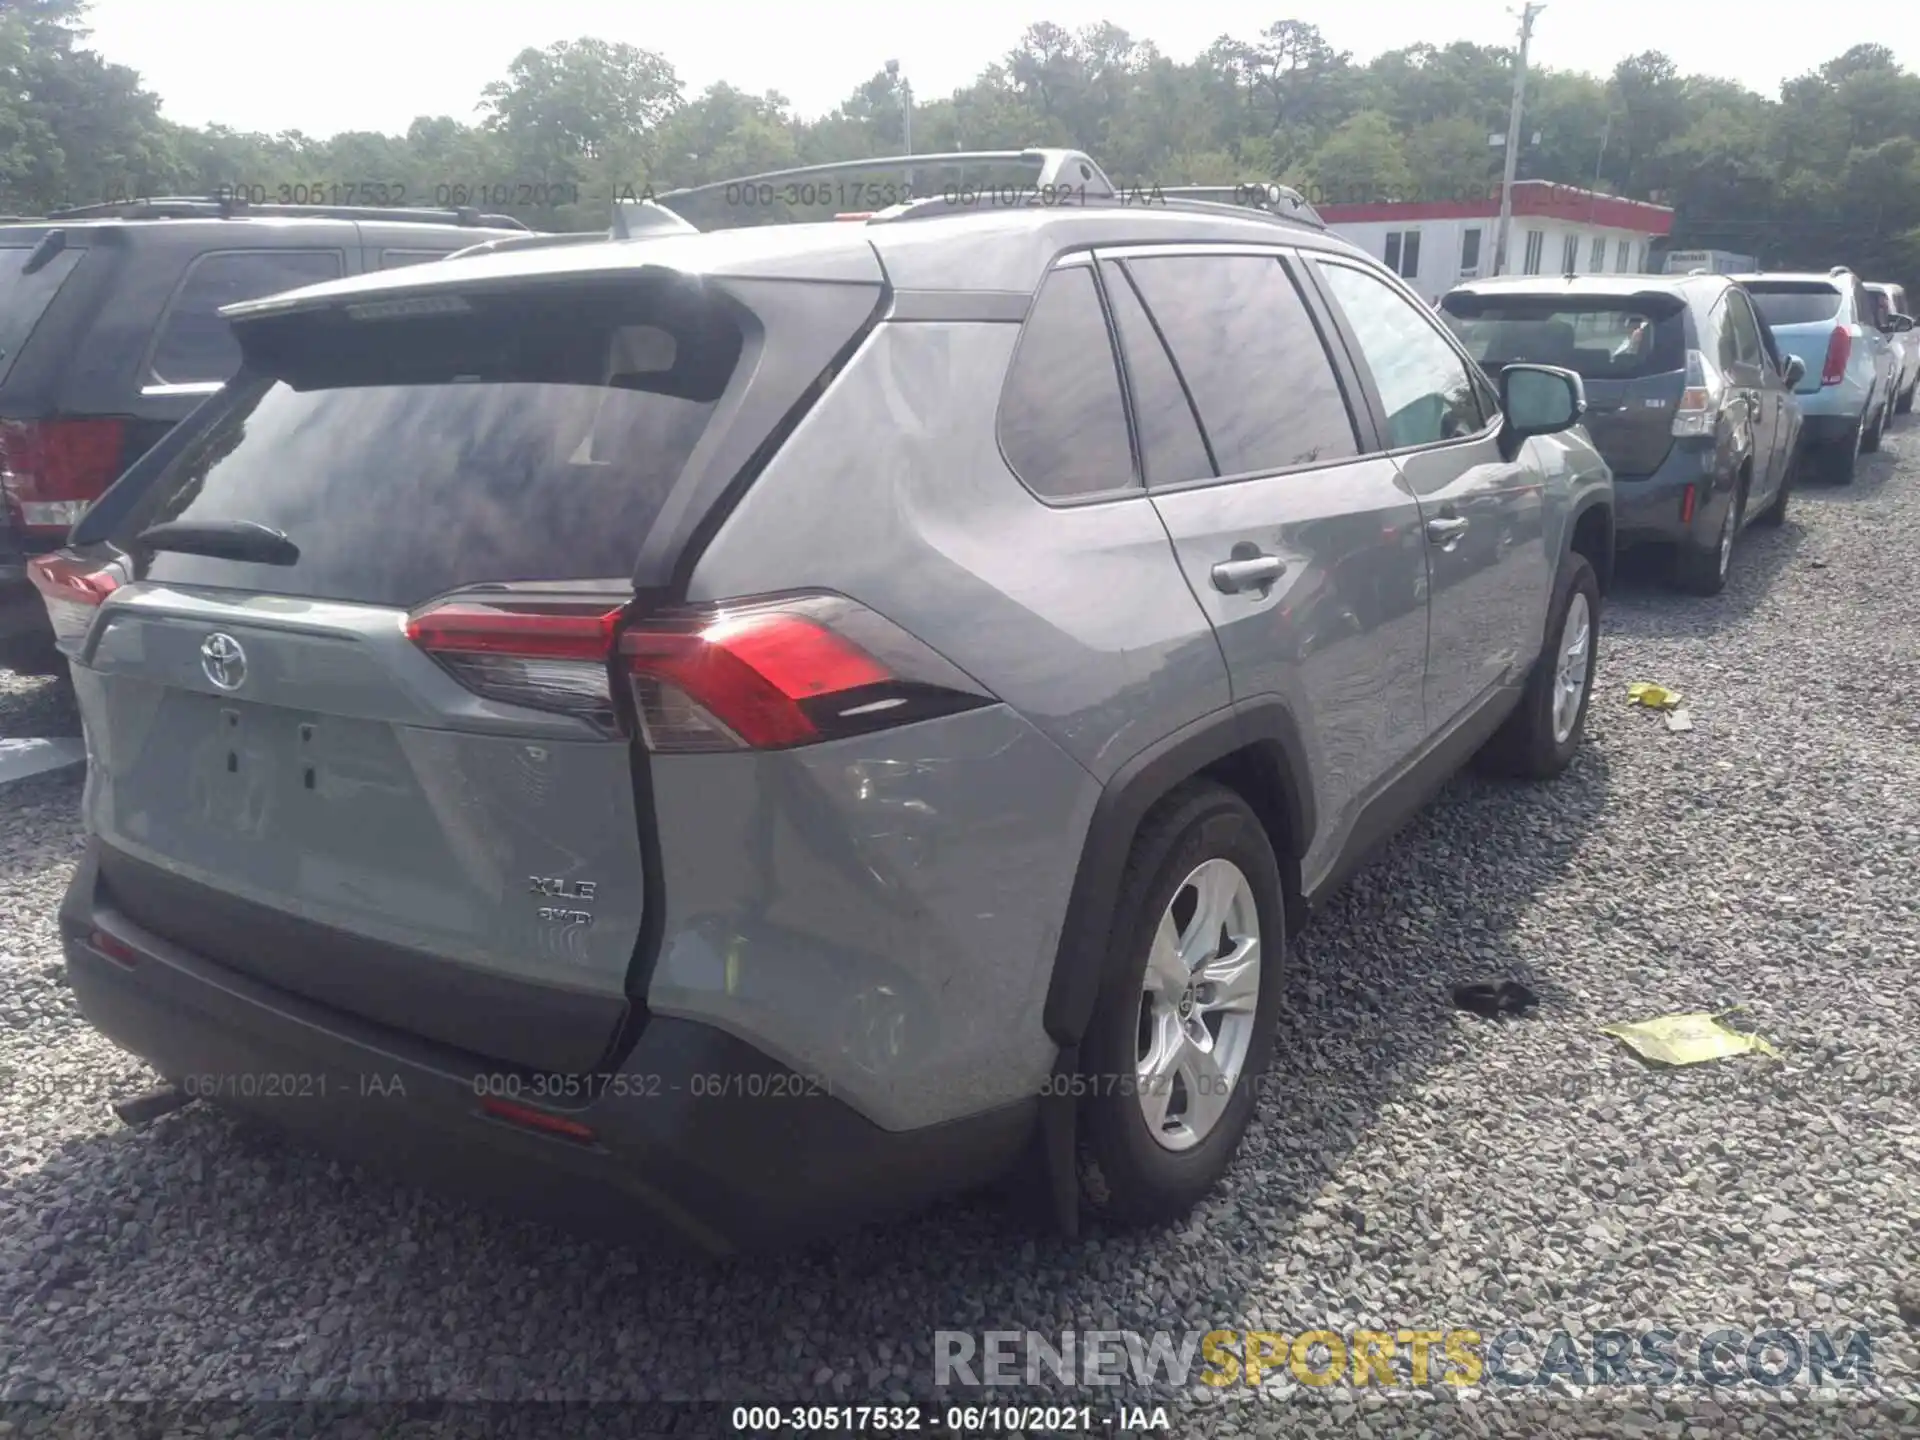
(1708, 394)
(510, 683)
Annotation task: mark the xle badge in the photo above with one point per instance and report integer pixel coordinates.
(555, 888)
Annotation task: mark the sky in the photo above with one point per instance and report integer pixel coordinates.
(323, 66)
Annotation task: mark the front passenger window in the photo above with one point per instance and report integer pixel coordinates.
(1425, 387)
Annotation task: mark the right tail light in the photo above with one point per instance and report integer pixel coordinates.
(52, 470)
(1839, 351)
(1699, 409)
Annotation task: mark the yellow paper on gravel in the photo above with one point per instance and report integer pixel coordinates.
(1686, 1039)
(1654, 697)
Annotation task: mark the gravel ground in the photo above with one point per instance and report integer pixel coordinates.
(1410, 1167)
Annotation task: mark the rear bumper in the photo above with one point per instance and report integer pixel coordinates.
(697, 1134)
(1832, 409)
(1648, 509)
(1829, 429)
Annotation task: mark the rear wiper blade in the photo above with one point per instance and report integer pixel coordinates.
(245, 540)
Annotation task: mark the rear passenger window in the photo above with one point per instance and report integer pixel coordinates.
(1251, 358)
(394, 259)
(1426, 389)
(1172, 448)
(1746, 333)
(194, 343)
(1063, 427)
(1729, 355)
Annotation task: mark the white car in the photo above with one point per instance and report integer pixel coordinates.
(1906, 345)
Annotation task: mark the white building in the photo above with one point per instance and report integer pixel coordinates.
(1556, 230)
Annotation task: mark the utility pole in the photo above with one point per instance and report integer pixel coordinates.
(903, 92)
(1513, 139)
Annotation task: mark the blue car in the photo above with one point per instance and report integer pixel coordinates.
(1848, 392)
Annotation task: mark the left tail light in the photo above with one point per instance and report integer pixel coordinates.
(72, 590)
(766, 674)
(52, 470)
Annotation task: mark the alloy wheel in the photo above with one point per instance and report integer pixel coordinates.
(1197, 1004)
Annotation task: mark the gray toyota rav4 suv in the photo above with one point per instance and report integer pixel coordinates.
(761, 727)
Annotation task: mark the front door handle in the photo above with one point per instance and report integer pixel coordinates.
(1446, 531)
(1248, 572)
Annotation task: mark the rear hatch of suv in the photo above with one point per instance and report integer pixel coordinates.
(1804, 316)
(351, 705)
(1629, 350)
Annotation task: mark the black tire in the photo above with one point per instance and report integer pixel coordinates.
(1870, 435)
(1843, 459)
(33, 655)
(1126, 1175)
(1775, 515)
(1703, 569)
(1525, 747)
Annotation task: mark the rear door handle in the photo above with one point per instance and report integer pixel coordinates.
(1447, 530)
(1248, 572)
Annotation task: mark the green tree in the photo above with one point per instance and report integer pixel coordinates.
(1361, 162)
(563, 106)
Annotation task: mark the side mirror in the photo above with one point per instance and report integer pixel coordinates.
(1794, 371)
(1540, 400)
(1898, 324)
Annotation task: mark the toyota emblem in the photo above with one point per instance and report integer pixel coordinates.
(223, 660)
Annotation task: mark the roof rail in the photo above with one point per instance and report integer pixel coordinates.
(1053, 168)
(1282, 200)
(222, 207)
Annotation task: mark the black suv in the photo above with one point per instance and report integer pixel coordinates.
(1690, 397)
(110, 335)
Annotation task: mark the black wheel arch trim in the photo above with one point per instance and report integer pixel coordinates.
(1594, 500)
(1133, 790)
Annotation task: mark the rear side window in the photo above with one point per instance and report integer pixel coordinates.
(194, 344)
(1251, 358)
(1598, 338)
(530, 436)
(394, 259)
(1791, 303)
(1063, 426)
(25, 296)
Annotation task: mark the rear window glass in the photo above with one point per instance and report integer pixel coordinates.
(533, 436)
(194, 343)
(1795, 304)
(1596, 340)
(24, 297)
